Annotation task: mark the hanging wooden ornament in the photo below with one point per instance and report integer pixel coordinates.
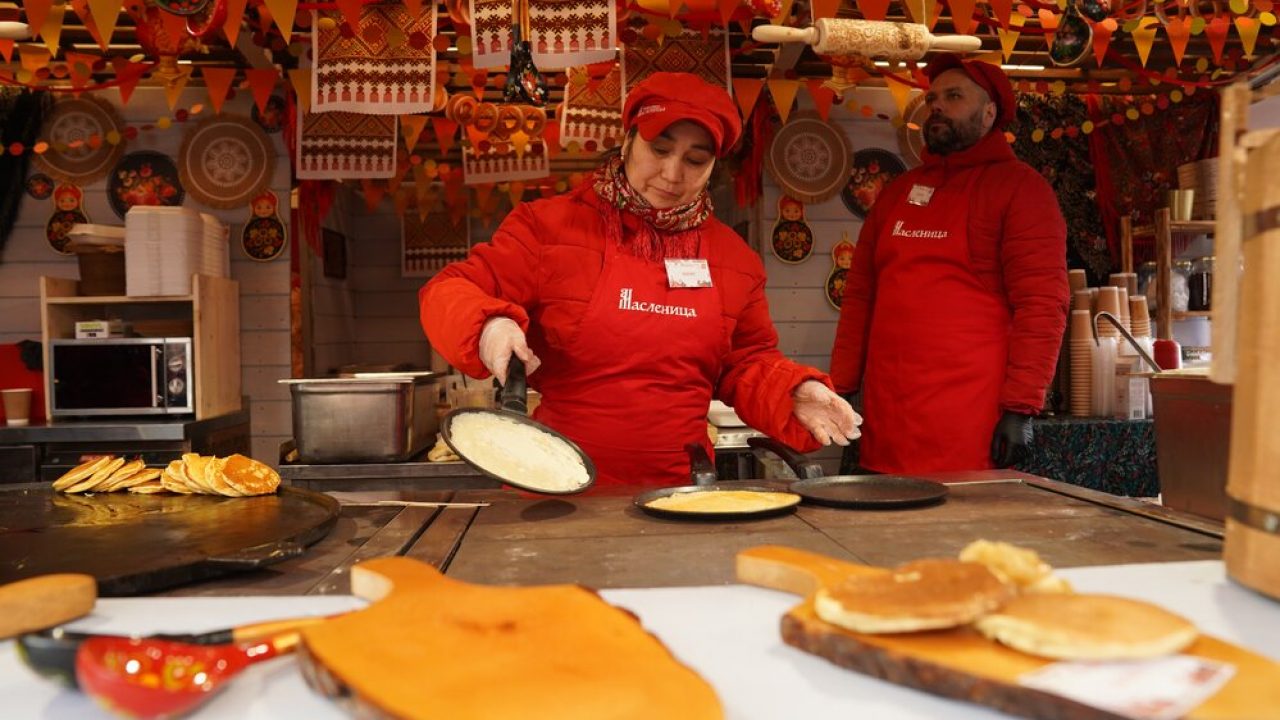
(145, 177)
(68, 210)
(524, 82)
(80, 133)
(842, 260)
(809, 158)
(873, 169)
(39, 186)
(263, 237)
(792, 240)
(226, 160)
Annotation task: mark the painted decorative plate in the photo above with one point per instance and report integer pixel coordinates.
(272, 120)
(873, 169)
(809, 158)
(79, 133)
(911, 131)
(144, 178)
(39, 186)
(225, 160)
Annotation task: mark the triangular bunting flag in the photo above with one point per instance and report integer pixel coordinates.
(422, 188)
(235, 15)
(33, 57)
(962, 15)
(1102, 39)
(519, 141)
(515, 191)
(350, 10)
(282, 11)
(6, 49)
(784, 95)
(401, 200)
(176, 27)
(51, 33)
(300, 78)
(81, 8)
(484, 193)
(261, 82)
(80, 67)
(1009, 38)
(822, 97)
(727, 8)
(1144, 36)
(127, 76)
(373, 192)
(173, 86)
(37, 14)
(746, 91)
(1179, 31)
(410, 128)
(217, 81)
(551, 140)
(1217, 31)
(1049, 22)
(1248, 28)
(824, 8)
(105, 13)
(445, 129)
(901, 91)
(874, 9)
(1003, 10)
(475, 137)
(479, 79)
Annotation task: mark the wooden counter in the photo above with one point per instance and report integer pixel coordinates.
(604, 542)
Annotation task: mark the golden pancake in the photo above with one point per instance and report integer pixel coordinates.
(249, 476)
(923, 595)
(102, 475)
(145, 475)
(193, 473)
(1019, 566)
(174, 478)
(81, 471)
(724, 501)
(1087, 627)
(150, 487)
(125, 472)
(214, 478)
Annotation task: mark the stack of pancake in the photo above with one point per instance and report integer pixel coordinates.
(233, 476)
(1009, 595)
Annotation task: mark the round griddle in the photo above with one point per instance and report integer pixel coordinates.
(870, 492)
(136, 544)
(704, 479)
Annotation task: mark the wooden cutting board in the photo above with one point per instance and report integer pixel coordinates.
(963, 664)
(433, 647)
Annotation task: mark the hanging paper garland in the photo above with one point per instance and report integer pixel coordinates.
(76, 130)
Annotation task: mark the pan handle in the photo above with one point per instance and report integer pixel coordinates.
(701, 470)
(804, 468)
(514, 395)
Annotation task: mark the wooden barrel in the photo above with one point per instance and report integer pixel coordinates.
(1253, 481)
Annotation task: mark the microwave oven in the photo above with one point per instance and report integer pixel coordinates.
(121, 376)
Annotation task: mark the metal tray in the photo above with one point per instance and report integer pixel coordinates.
(136, 544)
(871, 492)
(389, 418)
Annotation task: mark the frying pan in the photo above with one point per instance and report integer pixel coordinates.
(852, 491)
(704, 480)
(513, 404)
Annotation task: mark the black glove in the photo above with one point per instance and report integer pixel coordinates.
(1012, 439)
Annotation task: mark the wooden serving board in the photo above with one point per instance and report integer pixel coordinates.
(963, 664)
(434, 647)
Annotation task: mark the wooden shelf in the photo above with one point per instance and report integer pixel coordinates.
(1185, 227)
(1191, 314)
(116, 299)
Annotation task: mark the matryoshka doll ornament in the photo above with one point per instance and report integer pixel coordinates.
(263, 237)
(792, 239)
(842, 258)
(68, 210)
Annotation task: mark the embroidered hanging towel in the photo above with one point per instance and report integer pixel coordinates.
(493, 167)
(563, 33)
(428, 245)
(691, 52)
(379, 70)
(592, 112)
(341, 145)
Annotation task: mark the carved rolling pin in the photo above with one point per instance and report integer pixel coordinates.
(868, 38)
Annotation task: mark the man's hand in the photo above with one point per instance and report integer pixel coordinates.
(825, 414)
(1011, 441)
(499, 338)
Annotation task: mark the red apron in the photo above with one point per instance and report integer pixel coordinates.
(938, 345)
(632, 388)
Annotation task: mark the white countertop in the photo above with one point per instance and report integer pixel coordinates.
(728, 634)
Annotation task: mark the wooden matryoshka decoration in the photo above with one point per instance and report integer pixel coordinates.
(842, 260)
(792, 240)
(68, 210)
(263, 237)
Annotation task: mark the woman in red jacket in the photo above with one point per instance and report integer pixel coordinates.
(632, 306)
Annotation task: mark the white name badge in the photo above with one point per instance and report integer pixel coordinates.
(688, 273)
(920, 195)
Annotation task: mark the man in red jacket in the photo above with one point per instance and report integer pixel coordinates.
(632, 306)
(956, 302)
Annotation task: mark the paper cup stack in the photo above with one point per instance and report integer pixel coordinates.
(1139, 316)
(1081, 362)
(1109, 302)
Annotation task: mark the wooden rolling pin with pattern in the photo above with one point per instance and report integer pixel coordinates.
(869, 38)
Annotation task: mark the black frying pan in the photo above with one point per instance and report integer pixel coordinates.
(704, 480)
(513, 404)
(852, 491)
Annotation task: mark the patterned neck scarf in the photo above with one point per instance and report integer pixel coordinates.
(672, 232)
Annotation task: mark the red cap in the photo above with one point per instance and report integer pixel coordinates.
(667, 97)
(988, 77)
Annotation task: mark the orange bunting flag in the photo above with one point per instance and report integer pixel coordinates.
(37, 14)
(515, 191)
(1217, 31)
(52, 30)
(34, 57)
(174, 86)
(484, 194)
(1049, 21)
(373, 192)
(235, 15)
(824, 8)
(901, 91)
(1009, 38)
(784, 96)
(411, 128)
(962, 15)
(6, 49)
(1144, 36)
(874, 9)
(1102, 39)
(127, 76)
(217, 81)
(81, 8)
(1179, 31)
(475, 137)
(727, 8)
(1248, 28)
(822, 96)
(1003, 10)
(350, 10)
(261, 83)
(300, 78)
(105, 13)
(80, 67)
(282, 11)
(401, 200)
(551, 140)
(445, 130)
(746, 91)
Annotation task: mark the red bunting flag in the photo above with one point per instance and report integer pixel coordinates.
(445, 130)
(217, 82)
(127, 76)
(822, 96)
(746, 91)
(235, 15)
(261, 83)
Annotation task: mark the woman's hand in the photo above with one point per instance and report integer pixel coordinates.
(499, 338)
(825, 414)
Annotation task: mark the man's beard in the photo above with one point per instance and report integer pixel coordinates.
(943, 135)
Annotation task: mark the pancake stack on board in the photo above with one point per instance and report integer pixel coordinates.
(192, 474)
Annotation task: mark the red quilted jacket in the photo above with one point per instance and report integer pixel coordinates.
(540, 270)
